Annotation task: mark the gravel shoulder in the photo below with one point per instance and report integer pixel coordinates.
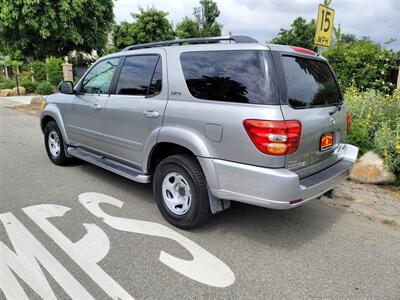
(379, 203)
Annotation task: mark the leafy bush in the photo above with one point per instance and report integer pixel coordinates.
(54, 70)
(364, 64)
(387, 144)
(7, 84)
(26, 75)
(375, 123)
(44, 88)
(38, 70)
(29, 86)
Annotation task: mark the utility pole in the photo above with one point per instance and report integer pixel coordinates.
(398, 80)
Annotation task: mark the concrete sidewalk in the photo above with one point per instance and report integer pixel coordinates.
(15, 100)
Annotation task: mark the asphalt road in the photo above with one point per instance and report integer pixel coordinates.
(314, 251)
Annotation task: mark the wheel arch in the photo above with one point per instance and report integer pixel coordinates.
(51, 113)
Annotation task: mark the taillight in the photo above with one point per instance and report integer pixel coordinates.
(348, 122)
(274, 137)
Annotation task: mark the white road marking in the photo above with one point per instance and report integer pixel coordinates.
(204, 268)
(24, 263)
(87, 252)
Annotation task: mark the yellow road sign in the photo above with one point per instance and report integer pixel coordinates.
(323, 32)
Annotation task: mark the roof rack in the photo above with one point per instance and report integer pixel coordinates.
(205, 40)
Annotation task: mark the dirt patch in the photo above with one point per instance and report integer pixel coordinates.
(379, 203)
(26, 108)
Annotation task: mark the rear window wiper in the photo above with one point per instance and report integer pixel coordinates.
(337, 108)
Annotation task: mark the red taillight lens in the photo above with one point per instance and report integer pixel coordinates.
(274, 137)
(348, 122)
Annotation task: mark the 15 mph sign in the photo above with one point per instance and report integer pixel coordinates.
(323, 32)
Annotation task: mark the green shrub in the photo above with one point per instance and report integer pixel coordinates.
(44, 88)
(54, 70)
(364, 63)
(387, 145)
(29, 86)
(38, 70)
(7, 84)
(375, 123)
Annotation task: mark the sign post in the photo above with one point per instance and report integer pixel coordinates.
(323, 32)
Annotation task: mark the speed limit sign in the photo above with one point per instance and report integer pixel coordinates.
(323, 32)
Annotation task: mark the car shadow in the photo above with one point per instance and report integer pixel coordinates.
(280, 228)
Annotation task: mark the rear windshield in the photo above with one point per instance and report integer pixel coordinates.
(241, 76)
(310, 83)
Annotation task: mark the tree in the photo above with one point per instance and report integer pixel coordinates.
(343, 38)
(149, 25)
(299, 34)
(204, 24)
(188, 28)
(206, 15)
(123, 34)
(44, 28)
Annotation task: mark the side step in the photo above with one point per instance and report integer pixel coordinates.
(110, 165)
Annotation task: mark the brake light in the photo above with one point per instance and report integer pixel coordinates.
(348, 122)
(303, 50)
(274, 137)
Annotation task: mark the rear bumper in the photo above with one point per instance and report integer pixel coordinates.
(273, 188)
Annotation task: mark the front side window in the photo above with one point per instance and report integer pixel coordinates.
(241, 76)
(310, 83)
(98, 80)
(140, 76)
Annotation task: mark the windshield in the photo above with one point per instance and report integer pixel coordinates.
(310, 83)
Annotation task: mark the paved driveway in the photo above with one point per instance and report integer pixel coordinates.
(89, 248)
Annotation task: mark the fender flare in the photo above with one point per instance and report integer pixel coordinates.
(179, 136)
(51, 110)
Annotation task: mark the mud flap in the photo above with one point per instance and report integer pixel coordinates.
(217, 205)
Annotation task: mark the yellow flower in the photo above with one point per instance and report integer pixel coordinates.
(398, 147)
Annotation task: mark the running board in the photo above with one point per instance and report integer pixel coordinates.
(110, 165)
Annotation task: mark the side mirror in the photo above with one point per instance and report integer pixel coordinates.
(66, 87)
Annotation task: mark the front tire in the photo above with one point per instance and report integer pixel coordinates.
(55, 144)
(180, 190)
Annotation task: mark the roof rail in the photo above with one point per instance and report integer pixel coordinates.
(205, 40)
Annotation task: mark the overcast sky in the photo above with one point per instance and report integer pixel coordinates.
(262, 19)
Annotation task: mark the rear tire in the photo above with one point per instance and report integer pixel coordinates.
(54, 143)
(180, 190)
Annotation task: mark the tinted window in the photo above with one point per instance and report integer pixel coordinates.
(309, 83)
(234, 76)
(156, 81)
(136, 75)
(98, 80)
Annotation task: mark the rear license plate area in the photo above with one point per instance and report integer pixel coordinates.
(326, 141)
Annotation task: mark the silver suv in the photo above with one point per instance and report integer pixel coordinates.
(207, 121)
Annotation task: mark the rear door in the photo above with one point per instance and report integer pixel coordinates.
(135, 109)
(312, 96)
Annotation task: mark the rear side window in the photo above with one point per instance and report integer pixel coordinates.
(310, 83)
(140, 76)
(242, 76)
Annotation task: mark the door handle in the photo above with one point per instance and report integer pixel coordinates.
(151, 114)
(97, 106)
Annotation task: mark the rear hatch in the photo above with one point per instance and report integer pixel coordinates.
(311, 94)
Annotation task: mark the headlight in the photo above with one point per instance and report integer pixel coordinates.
(42, 103)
